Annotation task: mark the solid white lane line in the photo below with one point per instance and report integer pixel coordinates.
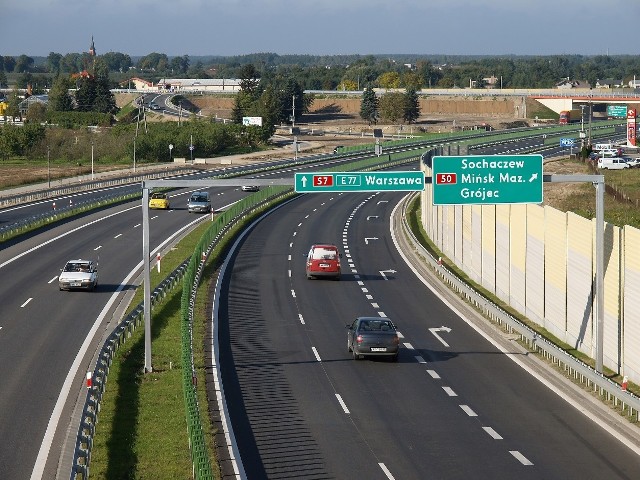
(315, 352)
(450, 391)
(521, 458)
(495, 435)
(468, 411)
(25, 303)
(386, 471)
(342, 404)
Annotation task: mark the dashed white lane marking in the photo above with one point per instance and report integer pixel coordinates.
(137, 225)
(118, 235)
(495, 435)
(289, 257)
(369, 297)
(301, 318)
(409, 346)
(289, 273)
(433, 374)
(97, 248)
(386, 471)
(521, 458)
(382, 314)
(468, 411)
(315, 352)
(419, 359)
(342, 404)
(53, 279)
(360, 282)
(449, 391)
(25, 303)
(375, 305)
(153, 218)
(293, 293)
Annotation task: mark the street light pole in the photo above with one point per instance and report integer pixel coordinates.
(48, 167)
(92, 177)
(134, 154)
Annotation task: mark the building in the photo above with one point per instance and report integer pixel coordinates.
(24, 105)
(191, 85)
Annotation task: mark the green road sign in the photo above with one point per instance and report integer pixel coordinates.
(318, 182)
(487, 180)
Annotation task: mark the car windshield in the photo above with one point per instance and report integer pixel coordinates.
(158, 196)
(199, 198)
(76, 267)
(323, 254)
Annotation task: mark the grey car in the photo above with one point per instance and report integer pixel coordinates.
(199, 202)
(373, 337)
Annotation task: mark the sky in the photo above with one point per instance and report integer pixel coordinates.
(321, 27)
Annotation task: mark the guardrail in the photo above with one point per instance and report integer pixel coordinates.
(124, 330)
(575, 368)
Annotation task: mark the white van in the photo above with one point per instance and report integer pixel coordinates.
(616, 163)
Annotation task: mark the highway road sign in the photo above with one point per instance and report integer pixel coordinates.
(318, 182)
(487, 180)
(567, 142)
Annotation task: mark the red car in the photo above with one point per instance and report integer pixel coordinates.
(323, 261)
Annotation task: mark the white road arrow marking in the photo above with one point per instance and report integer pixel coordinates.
(440, 329)
(382, 272)
(366, 239)
(382, 201)
(372, 216)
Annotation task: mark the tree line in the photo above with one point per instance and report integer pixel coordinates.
(339, 72)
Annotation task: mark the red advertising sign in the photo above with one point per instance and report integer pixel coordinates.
(631, 127)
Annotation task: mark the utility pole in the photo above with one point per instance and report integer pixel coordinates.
(293, 112)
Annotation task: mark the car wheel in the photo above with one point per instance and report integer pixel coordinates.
(348, 346)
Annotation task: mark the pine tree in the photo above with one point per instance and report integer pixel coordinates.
(369, 106)
(412, 106)
(59, 98)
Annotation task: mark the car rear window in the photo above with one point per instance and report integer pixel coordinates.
(376, 325)
(324, 254)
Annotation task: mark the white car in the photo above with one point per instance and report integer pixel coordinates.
(78, 274)
(632, 162)
(250, 188)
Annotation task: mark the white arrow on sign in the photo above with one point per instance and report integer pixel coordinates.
(382, 272)
(440, 329)
(372, 216)
(304, 182)
(366, 239)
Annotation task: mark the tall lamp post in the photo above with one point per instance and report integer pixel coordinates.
(92, 177)
(134, 154)
(48, 167)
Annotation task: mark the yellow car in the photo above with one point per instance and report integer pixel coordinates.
(159, 200)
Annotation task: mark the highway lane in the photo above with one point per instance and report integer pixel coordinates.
(454, 406)
(42, 329)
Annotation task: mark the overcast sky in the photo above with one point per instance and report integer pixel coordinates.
(321, 27)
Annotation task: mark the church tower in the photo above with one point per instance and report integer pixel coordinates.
(92, 48)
